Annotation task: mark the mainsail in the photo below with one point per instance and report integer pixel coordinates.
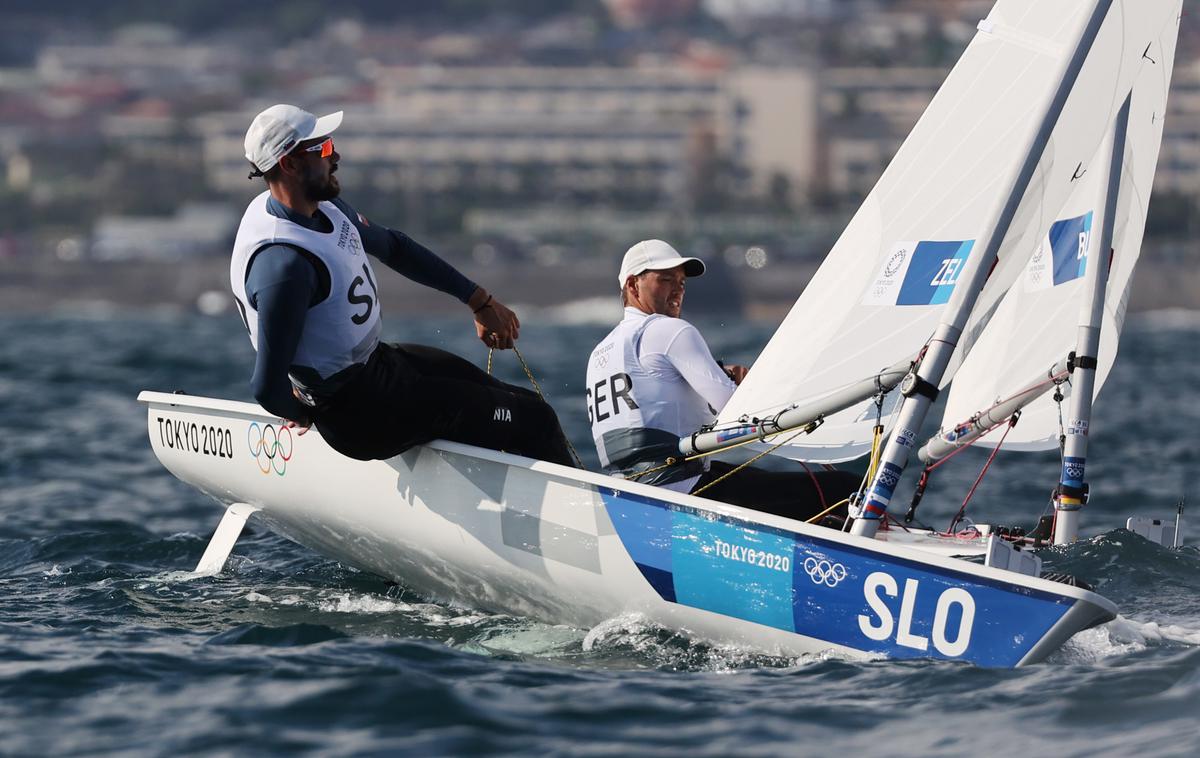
(1036, 323)
(880, 293)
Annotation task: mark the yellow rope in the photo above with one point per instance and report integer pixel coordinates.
(730, 473)
(674, 461)
(876, 452)
(822, 514)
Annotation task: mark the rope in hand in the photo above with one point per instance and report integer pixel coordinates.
(537, 389)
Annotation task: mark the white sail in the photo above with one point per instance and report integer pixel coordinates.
(1036, 324)
(879, 294)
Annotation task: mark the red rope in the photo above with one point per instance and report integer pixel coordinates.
(1052, 380)
(934, 465)
(963, 509)
(820, 492)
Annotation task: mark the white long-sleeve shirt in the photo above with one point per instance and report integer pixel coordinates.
(651, 381)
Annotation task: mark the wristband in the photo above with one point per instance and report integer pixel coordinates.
(486, 303)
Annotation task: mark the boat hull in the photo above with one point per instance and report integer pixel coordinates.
(510, 534)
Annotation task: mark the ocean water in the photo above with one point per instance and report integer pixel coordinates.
(109, 646)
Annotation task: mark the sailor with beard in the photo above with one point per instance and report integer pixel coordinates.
(307, 293)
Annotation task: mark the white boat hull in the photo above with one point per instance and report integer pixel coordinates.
(506, 533)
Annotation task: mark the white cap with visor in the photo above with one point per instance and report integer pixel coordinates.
(656, 255)
(278, 129)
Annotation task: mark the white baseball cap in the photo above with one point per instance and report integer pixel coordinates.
(279, 128)
(656, 255)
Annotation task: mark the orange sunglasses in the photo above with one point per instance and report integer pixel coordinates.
(325, 147)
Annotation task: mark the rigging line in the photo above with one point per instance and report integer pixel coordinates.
(730, 473)
(876, 450)
(538, 389)
(935, 464)
(1056, 379)
(752, 441)
(963, 509)
(817, 484)
(1062, 431)
(827, 511)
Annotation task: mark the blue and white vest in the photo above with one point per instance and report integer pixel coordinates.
(638, 417)
(342, 330)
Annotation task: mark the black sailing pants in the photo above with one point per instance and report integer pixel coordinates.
(407, 395)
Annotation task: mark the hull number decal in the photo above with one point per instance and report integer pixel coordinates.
(191, 437)
(860, 598)
(882, 624)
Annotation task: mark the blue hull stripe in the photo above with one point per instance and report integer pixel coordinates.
(828, 591)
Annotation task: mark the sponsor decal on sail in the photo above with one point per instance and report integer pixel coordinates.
(919, 273)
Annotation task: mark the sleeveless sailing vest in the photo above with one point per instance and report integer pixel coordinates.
(637, 417)
(342, 330)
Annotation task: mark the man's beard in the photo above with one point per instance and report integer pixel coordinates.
(318, 188)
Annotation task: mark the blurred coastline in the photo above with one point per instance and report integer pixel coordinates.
(583, 291)
(528, 143)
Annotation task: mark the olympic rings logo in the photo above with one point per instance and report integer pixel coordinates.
(272, 448)
(824, 572)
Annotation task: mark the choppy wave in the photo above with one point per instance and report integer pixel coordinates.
(108, 643)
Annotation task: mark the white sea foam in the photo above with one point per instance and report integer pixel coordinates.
(535, 640)
(625, 625)
(678, 648)
(592, 310)
(347, 603)
(1123, 636)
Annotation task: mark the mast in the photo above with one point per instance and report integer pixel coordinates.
(920, 386)
(1071, 492)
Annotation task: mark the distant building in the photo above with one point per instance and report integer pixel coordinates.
(739, 11)
(650, 130)
(866, 114)
(640, 12)
(147, 59)
(1179, 161)
(195, 230)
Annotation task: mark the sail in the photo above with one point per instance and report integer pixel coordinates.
(1037, 322)
(878, 295)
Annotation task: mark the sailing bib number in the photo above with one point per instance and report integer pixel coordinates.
(603, 396)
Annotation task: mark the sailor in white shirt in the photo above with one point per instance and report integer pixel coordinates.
(653, 380)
